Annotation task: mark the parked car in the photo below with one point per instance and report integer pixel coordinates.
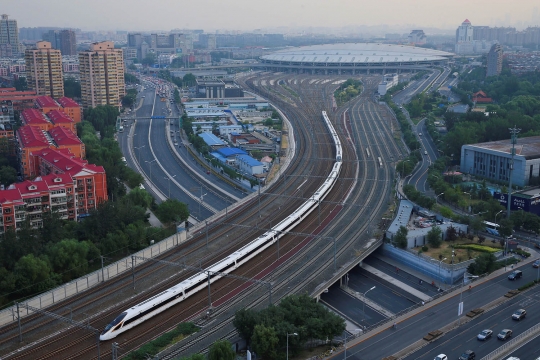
(516, 274)
(505, 334)
(519, 314)
(468, 355)
(441, 357)
(484, 334)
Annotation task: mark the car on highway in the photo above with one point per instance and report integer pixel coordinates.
(516, 274)
(441, 357)
(425, 152)
(505, 334)
(484, 334)
(536, 264)
(519, 314)
(468, 355)
(420, 134)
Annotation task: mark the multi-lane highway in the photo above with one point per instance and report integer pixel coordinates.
(162, 166)
(454, 342)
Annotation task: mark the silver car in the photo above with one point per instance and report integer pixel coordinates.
(484, 334)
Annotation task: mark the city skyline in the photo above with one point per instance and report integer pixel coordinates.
(313, 16)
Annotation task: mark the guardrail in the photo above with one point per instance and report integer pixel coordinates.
(508, 347)
(88, 281)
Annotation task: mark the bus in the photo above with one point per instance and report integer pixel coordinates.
(492, 228)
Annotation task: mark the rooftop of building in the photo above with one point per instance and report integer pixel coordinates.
(211, 139)
(31, 136)
(66, 162)
(10, 196)
(357, 53)
(64, 137)
(46, 101)
(231, 151)
(249, 160)
(528, 147)
(33, 117)
(202, 82)
(68, 102)
(59, 117)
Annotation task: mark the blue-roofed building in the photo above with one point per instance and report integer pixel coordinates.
(220, 157)
(231, 152)
(249, 165)
(212, 140)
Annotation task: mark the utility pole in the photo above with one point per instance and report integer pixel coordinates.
(513, 133)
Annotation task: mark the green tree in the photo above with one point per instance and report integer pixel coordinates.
(221, 350)
(33, 274)
(265, 341)
(72, 88)
(506, 226)
(172, 210)
(485, 263)
(20, 84)
(130, 78)
(140, 197)
(434, 237)
(189, 79)
(70, 257)
(476, 224)
(8, 175)
(400, 239)
(149, 60)
(245, 321)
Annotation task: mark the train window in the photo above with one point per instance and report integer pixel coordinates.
(114, 322)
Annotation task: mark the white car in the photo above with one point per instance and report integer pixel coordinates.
(441, 357)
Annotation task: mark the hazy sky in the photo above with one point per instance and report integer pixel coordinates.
(212, 15)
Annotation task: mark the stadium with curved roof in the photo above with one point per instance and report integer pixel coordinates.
(354, 58)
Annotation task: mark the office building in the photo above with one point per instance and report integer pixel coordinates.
(494, 60)
(491, 160)
(9, 33)
(44, 72)
(102, 75)
(63, 40)
(417, 37)
(464, 38)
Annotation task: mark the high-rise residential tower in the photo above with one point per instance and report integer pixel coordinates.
(9, 33)
(102, 75)
(63, 40)
(44, 70)
(494, 60)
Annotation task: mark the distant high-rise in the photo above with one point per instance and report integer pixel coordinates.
(464, 38)
(9, 33)
(44, 70)
(102, 75)
(63, 40)
(494, 60)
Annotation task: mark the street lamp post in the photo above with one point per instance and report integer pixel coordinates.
(460, 305)
(169, 178)
(497, 214)
(201, 200)
(437, 197)
(345, 341)
(139, 152)
(364, 302)
(440, 262)
(150, 162)
(293, 334)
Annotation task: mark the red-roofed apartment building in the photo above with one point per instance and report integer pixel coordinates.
(35, 118)
(69, 186)
(29, 139)
(20, 99)
(46, 104)
(66, 139)
(63, 104)
(71, 108)
(58, 118)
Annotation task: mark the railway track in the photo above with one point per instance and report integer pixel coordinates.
(108, 314)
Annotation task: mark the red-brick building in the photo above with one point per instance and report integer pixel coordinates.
(480, 97)
(69, 186)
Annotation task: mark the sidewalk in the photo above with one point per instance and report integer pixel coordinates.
(394, 281)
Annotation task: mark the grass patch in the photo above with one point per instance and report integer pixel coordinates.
(461, 254)
(164, 341)
(479, 248)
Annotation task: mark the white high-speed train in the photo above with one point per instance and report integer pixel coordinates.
(176, 294)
